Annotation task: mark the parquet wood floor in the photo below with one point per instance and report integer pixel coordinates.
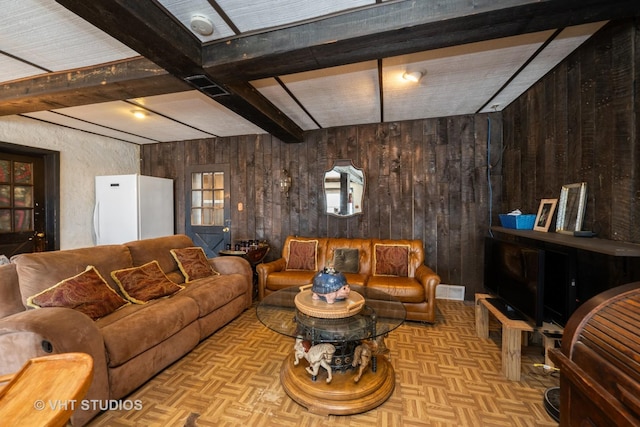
(445, 376)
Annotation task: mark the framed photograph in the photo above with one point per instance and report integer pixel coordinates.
(545, 214)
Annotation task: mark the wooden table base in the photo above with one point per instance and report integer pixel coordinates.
(342, 396)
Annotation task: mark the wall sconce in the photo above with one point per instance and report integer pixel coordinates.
(414, 76)
(285, 182)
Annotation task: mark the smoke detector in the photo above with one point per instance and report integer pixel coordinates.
(202, 25)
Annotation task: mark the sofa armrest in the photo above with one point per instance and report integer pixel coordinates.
(430, 280)
(264, 270)
(40, 332)
(235, 265)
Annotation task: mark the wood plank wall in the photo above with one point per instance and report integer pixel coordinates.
(425, 179)
(581, 123)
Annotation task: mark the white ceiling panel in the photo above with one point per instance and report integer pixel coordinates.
(185, 9)
(49, 36)
(199, 111)
(12, 69)
(457, 80)
(565, 43)
(118, 115)
(250, 15)
(62, 120)
(274, 92)
(339, 96)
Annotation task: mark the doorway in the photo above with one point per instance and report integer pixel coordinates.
(29, 199)
(207, 207)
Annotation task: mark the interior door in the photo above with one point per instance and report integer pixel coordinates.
(208, 211)
(22, 214)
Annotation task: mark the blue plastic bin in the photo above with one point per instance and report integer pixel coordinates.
(519, 222)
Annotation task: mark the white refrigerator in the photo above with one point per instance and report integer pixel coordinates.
(132, 207)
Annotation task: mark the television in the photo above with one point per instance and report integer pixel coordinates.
(514, 273)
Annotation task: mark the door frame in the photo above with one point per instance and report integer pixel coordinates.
(51, 188)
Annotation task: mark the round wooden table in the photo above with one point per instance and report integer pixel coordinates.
(381, 314)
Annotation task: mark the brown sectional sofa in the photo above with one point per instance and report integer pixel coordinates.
(133, 343)
(394, 266)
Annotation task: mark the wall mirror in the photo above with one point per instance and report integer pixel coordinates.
(343, 189)
(571, 207)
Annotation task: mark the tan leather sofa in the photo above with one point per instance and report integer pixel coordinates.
(131, 344)
(393, 266)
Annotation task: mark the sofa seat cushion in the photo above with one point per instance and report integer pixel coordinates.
(211, 293)
(405, 289)
(283, 279)
(135, 328)
(356, 279)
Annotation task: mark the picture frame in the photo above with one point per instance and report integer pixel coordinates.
(545, 214)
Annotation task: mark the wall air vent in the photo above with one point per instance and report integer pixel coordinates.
(205, 85)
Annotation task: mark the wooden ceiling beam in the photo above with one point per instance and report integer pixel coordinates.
(149, 30)
(126, 79)
(396, 28)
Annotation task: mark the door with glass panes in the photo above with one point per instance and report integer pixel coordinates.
(207, 207)
(22, 219)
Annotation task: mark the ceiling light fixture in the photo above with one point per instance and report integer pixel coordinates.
(139, 114)
(202, 25)
(413, 76)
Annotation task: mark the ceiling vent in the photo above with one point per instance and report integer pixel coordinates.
(205, 85)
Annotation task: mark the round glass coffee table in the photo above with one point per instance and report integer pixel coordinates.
(354, 386)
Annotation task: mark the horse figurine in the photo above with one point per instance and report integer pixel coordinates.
(317, 356)
(361, 356)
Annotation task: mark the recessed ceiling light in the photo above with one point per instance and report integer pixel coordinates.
(202, 25)
(413, 76)
(139, 114)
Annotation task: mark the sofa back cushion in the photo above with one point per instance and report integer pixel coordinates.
(41, 270)
(159, 249)
(10, 298)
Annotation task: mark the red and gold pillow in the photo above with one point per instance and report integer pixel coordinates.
(391, 260)
(303, 255)
(193, 263)
(145, 283)
(86, 292)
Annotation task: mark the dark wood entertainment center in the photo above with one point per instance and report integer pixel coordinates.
(593, 265)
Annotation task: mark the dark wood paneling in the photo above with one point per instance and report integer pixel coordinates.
(425, 179)
(579, 124)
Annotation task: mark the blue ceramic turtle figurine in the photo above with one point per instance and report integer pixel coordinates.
(330, 285)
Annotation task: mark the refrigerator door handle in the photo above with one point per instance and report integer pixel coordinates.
(96, 218)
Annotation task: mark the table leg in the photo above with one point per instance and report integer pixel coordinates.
(511, 352)
(482, 320)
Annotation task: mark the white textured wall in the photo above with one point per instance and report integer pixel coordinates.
(82, 157)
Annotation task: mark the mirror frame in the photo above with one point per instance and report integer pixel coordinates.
(566, 218)
(343, 163)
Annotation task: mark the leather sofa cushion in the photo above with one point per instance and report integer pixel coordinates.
(135, 328)
(283, 279)
(405, 289)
